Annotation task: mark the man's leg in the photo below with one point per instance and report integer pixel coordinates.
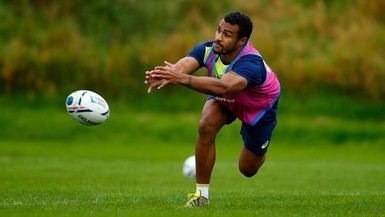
(249, 163)
(256, 141)
(212, 120)
(213, 117)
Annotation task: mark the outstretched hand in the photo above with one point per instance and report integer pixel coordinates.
(169, 73)
(153, 82)
(161, 76)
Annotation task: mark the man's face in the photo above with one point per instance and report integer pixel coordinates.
(226, 38)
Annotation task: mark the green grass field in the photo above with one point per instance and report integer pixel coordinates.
(327, 158)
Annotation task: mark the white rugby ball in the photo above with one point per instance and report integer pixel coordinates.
(189, 169)
(87, 107)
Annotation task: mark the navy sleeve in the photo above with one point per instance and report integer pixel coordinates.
(252, 68)
(198, 52)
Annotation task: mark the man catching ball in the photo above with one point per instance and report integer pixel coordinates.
(239, 85)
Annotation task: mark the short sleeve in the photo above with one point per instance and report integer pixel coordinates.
(198, 53)
(252, 68)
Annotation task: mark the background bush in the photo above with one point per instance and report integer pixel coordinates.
(53, 47)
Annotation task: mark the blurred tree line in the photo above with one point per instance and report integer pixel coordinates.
(49, 47)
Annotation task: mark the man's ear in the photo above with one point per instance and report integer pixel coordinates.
(242, 41)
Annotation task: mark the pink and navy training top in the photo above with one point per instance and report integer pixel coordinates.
(263, 88)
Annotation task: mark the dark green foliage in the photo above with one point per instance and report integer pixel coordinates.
(54, 47)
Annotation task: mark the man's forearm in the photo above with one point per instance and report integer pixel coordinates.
(206, 85)
(186, 65)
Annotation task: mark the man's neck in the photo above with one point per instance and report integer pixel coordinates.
(228, 58)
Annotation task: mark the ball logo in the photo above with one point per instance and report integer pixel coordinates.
(70, 100)
(86, 120)
(98, 101)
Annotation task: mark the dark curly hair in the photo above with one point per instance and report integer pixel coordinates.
(243, 21)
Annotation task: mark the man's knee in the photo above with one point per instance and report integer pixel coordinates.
(212, 119)
(248, 172)
(249, 163)
(206, 128)
(203, 126)
(210, 124)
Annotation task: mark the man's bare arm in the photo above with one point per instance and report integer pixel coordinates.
(229, 83)
(186, 65)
